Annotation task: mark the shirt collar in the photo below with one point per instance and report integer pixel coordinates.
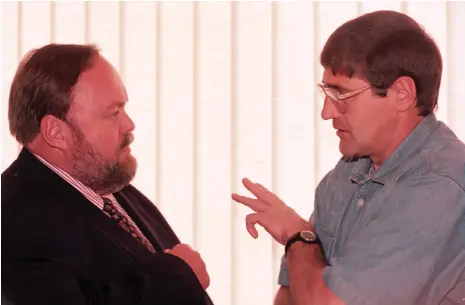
(411, 145)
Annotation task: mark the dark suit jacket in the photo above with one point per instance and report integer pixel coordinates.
(59, 248)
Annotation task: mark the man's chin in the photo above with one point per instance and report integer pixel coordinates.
(352, 154)
(349, 152)
(130, 166)
(121, 178)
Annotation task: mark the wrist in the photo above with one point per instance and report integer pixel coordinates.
(303, 226)
(304, 236)
(300, 247)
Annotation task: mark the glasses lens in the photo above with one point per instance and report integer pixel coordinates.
(340, 105)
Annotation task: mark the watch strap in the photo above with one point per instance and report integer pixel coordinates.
(296, 237)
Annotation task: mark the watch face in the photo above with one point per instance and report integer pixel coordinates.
(308, 235)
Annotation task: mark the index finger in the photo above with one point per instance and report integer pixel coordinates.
(261, 192)
(254, 204)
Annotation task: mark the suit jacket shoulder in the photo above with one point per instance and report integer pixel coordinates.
(59, 248)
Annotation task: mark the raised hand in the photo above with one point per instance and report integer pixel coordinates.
(271, 213)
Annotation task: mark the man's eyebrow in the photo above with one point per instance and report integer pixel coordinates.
(116, 104)
(335, 86)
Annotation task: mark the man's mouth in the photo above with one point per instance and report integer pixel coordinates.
(127, 141)
(341, 132)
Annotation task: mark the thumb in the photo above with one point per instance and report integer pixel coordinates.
(250, 221)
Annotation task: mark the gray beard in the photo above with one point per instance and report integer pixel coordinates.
(103, 178)
(100, 174)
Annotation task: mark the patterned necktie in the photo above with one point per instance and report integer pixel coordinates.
(115, 214)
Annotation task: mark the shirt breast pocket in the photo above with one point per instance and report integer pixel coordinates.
(331, 208)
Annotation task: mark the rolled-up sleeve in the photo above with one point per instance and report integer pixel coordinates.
(412, 251)
(283, 278)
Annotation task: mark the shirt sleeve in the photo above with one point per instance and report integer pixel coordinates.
(283, 278)
(412, 251)
(457, 295)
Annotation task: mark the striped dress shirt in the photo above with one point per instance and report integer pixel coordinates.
(90, 194)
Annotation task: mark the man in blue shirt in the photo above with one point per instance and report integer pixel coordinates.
(388, 226)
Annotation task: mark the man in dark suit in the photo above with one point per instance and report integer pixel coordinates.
(74, 231)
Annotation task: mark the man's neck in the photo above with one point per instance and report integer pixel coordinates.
(396, 136)
(52, 156)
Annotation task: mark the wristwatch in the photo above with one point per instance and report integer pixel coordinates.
(307, 237)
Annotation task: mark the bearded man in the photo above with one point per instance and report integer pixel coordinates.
(74, 231)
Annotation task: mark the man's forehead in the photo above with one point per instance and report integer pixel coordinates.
(102, 82)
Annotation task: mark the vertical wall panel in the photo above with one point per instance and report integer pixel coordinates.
(371, 6)
(176, 116)
(253, 125)
(220, 91)
(213, 145)
(327, 141)
(432, 16)
(456, 65)
(35, 25)
(68, 24)
(11, 54)
(140, 77)
(295, 107)
(103, 27)
(34, 33)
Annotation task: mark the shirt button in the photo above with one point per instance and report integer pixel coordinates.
(360, 202)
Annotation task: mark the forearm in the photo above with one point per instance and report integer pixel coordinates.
(305, 266)
(283, 296)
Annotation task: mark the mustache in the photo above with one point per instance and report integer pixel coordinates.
(128, 139)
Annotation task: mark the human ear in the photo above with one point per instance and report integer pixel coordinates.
(405, 92)
(54, 131)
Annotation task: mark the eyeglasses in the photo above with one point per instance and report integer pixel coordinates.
(338, 99)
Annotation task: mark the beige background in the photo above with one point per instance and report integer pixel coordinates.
(219, 91)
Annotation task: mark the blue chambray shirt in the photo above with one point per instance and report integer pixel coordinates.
(397, 235)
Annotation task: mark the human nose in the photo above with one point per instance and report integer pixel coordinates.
(329, 110)
(128, 124)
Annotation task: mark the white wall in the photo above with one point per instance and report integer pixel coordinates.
(220, 91)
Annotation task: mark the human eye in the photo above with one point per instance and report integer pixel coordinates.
(118, 110)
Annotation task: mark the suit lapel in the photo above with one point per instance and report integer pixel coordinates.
(149, 219)
(151, 223)
(119, 236)
(110, 228)
(40, 175)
